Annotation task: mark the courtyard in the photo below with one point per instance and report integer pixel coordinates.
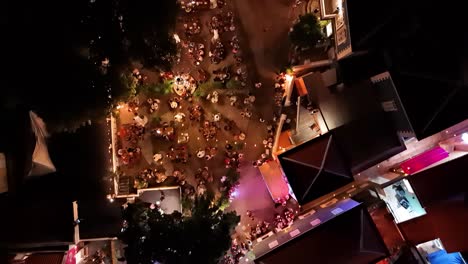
(211, 121)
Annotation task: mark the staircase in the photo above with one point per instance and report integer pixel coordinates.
(124, 185)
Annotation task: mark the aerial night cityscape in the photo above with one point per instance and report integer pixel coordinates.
(233, 132)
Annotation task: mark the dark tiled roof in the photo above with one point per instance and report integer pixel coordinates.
(349, 238)
(386, 92)
(315, 168)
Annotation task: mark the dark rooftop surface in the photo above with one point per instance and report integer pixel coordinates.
(367, 18)
(441, 182)
(342, 105)
(433, 101)
(425, 56)
(100, 218)
(348, 238)
(432, 105)
(364, 133)
(36, 209)
(25, 222)
(368, 141)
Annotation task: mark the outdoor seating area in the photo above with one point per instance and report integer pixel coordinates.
(195, 134)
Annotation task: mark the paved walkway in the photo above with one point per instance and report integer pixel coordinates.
(260, 55)
(264, 40)
(265, 31)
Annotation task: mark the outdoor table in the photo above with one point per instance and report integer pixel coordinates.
(242, 136)
(201, 154)
(157, 157)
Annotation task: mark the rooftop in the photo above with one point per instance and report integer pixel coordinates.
(315, 168)
(429, 72)
(26, 224)
(346, 228)
(365, 133)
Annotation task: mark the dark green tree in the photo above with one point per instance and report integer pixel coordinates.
(203, 237)
(57, 49)
(306, 32)
(148, 27)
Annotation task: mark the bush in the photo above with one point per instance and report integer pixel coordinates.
(155, 121)
(233, 176)
(207, 87)
(154, 89)
(233, 84)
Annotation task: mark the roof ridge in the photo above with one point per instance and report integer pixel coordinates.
(321, 168)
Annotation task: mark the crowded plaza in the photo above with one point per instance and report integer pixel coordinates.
(206, 127)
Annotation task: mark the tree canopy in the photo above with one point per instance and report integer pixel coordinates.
(306, 32)
(66, 57)
(203, 237)
(148, 27)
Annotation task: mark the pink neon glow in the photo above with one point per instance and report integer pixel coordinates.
(71, 259)
(424, 160)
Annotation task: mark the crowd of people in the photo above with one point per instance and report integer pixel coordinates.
(164, 130)
(195, 113)
(129, 150)
(280, 89)
(223, 22)
(232, 157)
(192, 27)
(217, 52)
(153, 104)
(148, 176)
(209, 130)
(258, 228)
(237, 251)
(210, 125)
(178, 154)
(196, 52)
(222, 75)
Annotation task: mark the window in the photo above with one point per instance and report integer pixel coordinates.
(389, 106)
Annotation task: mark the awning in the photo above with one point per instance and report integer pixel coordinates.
(273, 177)
(301, 87)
